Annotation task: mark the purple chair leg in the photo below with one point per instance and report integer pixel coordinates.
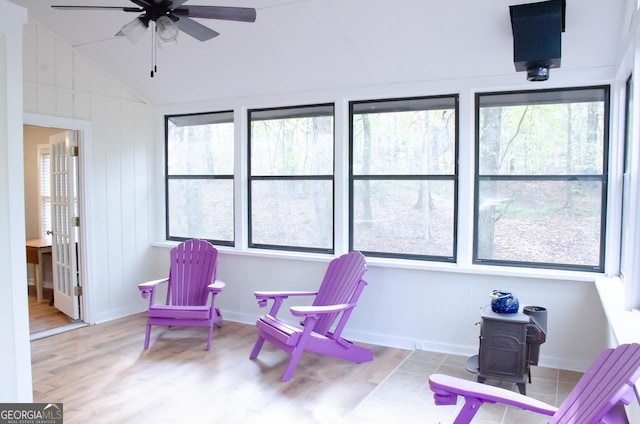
(468, 411)
(209, 338)
(257, 347)
(147, 337)
(293, 363)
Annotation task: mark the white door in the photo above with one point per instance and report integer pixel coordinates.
(64, 222)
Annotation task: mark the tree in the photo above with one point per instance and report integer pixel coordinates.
(366, 160)
(491, 134)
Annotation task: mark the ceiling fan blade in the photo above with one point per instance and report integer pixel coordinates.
(126, 9)
(149, 4)
(177, 3)
(226, 13)
(196, 29)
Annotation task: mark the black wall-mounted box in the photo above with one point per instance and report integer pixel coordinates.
(537, 29)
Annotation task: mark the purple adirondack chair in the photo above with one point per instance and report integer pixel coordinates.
(192, 278)
(333, 303)
(599, 396)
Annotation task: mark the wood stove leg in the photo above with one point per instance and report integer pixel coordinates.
(522, 387)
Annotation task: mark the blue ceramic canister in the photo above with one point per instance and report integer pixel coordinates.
(504, 302)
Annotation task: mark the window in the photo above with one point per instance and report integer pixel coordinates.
(404, 177)
(541, 167)
(44, 201)
(199, 185)
(626, 179)
(291, 178)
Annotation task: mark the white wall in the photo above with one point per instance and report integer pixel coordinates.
(15, 366)
(431, 310)
(63, 89)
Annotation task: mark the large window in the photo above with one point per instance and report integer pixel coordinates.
(403, 177)
(199, 186)
(626, 181)
(291, 178)
(541, 178)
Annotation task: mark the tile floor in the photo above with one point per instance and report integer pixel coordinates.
(405, 397)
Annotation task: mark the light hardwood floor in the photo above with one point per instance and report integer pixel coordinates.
(102, 374)
(43, 317)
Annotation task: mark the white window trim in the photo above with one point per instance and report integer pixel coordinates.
(42, 150)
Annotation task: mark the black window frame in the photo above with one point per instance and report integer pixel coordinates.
(168, 177)
(603, 179)
(626, 169)
(302, 111)
(399, 177)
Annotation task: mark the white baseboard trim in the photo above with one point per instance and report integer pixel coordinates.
(378, 339)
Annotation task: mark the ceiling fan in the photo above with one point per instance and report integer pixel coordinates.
(171, 15)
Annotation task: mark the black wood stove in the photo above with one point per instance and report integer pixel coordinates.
(509, 345)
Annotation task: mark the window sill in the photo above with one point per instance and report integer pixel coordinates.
(374, 262)
(504, 271)
(624, 323)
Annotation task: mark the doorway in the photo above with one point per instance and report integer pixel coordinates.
(44, 317)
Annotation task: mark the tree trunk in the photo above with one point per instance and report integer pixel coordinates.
(491, 133)
(568, 197)
(366, 159)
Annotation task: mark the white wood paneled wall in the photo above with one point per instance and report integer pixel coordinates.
(15, 367)
(116, 166)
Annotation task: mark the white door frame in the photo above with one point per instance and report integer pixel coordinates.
(83, 129)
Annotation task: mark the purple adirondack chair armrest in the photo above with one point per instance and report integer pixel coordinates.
(264, 296)
(278, 297)
(149, 287)
(301, 311)
(446, 389)
(216, 286)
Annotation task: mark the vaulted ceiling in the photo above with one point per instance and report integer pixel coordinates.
(303, 45)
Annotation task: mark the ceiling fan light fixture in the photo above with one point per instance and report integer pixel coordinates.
(167, 29)
(168, 17)
(133, 30)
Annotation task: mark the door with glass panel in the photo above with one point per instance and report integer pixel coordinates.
(65, 222)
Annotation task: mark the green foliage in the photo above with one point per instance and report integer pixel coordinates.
(405, 143)
(543, 139)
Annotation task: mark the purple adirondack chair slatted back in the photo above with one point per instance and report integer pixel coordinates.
(338, 286)
(609, 377)
(193, 268)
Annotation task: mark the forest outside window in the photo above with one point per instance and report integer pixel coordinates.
(541, 178)
(291, 178)
(200, 169)
(404, 177)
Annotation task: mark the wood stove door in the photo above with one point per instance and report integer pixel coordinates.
(502, 350)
